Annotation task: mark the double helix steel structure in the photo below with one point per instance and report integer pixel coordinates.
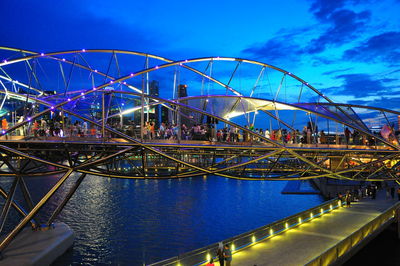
(125, 114)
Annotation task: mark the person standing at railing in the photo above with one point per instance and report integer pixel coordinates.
(227, 255)
(4, 126)
(348, 199)
(35, 128)
(220, 254)
(347, 134)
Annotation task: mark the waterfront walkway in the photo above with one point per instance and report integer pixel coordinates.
(302, 244)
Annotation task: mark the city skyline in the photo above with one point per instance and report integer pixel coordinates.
(349, 50)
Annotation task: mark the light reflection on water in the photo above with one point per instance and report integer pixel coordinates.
(131, 222)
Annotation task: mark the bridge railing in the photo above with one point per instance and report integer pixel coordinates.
(340, 249)
(237, 243)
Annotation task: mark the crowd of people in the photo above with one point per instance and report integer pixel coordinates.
(370, 191)
(209, 132)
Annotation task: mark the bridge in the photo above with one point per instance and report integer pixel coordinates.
(126, 114)
(328, 234)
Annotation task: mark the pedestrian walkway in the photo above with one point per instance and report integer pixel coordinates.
(302, 244)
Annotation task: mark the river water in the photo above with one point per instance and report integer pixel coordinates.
(136, 222)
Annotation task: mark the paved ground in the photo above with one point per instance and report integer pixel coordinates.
(301, 244)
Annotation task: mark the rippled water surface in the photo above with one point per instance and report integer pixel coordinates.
(131, 222)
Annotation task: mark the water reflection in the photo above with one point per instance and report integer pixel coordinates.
(134, 221)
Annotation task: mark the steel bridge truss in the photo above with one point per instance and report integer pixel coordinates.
(115, 151)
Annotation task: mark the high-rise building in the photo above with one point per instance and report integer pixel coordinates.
(164, 114)
(154, 88)
(184, 113)
(154, 112)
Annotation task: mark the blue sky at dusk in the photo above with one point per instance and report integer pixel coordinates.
(349, 50)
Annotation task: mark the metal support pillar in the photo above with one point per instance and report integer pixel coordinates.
(6, 207)
(103, 115)
(25, 192)
(6, 241)
(66, 199)
(16, 206)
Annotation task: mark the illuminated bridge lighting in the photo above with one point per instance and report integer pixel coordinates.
(108, 129)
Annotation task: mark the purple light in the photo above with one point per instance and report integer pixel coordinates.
(124, 82)
(83, 50)
(52, 108)
(4, 131)
(41, 54)
(94, 89)
(289, 73)
(82, 93)
(29, 119)
(180, 64)
(5, 61)
(63, 59)
(156, 67)
(111, 82)
(131, 74)
(186, 60)
(69, 99)
(95, 70)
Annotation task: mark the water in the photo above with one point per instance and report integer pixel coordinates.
(131, 222)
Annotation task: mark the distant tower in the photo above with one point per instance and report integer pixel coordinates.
(155, 111)
(164, 114)
(182, 92)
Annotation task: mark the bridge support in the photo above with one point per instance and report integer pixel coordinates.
(41, 247)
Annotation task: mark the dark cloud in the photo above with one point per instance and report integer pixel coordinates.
(322, 9)
(344, 26)
(359, 102)
(340, 26)
(327, 73)
(394, 71)
(49, 26)
(382, 47)
(360, 85)
(391, 103)
(273, 50)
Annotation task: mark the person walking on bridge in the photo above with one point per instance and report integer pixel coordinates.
(220, 254)
(227, 255)
(348, 199)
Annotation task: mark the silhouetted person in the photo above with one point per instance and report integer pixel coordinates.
(220, 254)
(348, 198)
(347, 135)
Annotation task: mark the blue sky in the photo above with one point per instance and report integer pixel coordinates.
(348, 49)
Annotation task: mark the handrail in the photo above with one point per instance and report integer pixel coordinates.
(239, 242)
(334, 253)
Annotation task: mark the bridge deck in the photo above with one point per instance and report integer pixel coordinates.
(160, 142)
(303, 243)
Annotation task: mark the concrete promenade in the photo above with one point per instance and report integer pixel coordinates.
(301, 244)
